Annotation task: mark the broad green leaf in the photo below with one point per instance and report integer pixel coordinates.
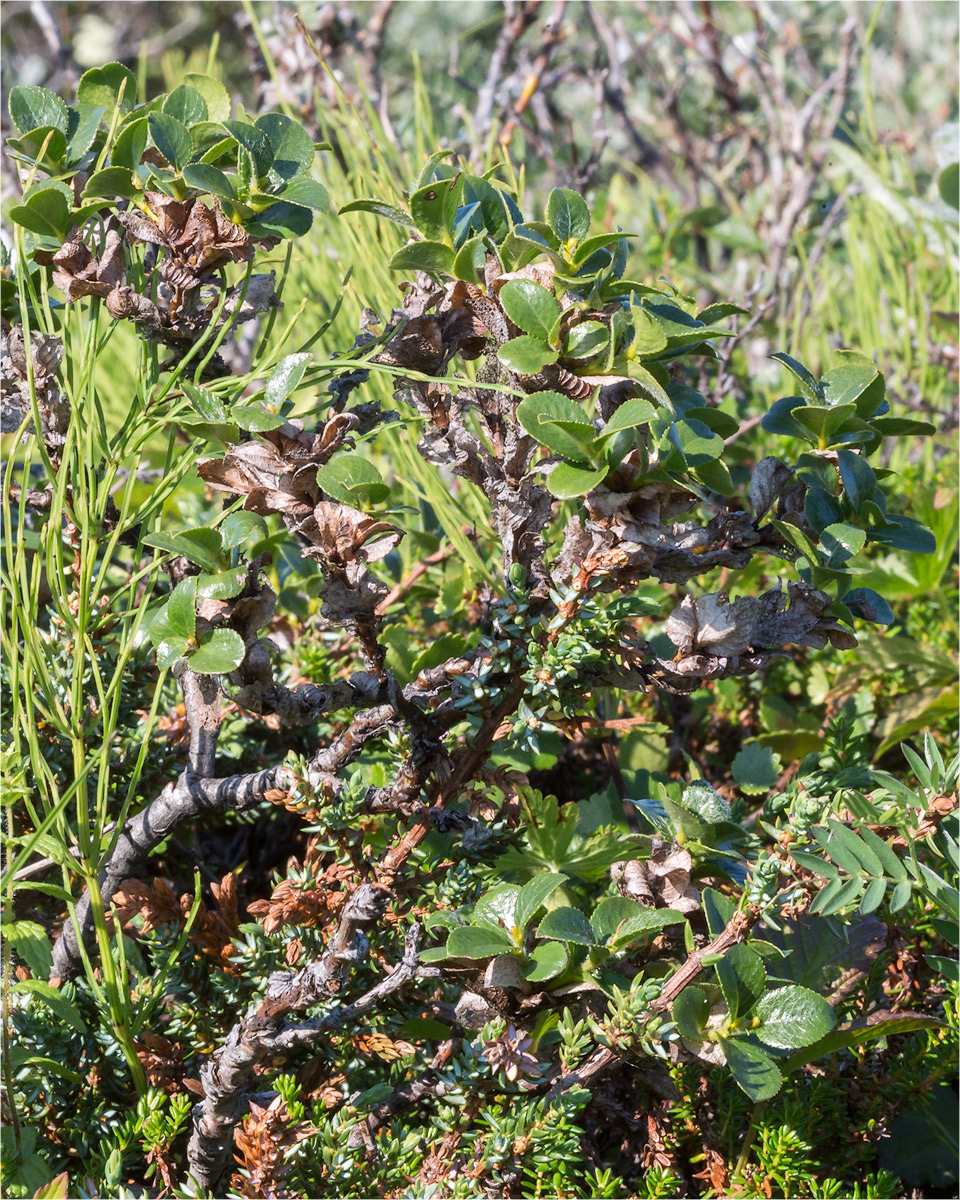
(779, 419)
(820, 508)
(473, 941)
(648, 337)
(902, 427)
(859, 478)
(547, 960)
(430, 204)
(715, 476)
(742, 978)
(792, 1017)
(240, 527)
(567, 481)
(756, 769)
(567, 214)
(846, 384)
(529, 306)
(715, 419)
(208, 404)
(808, 385)
(379, 209)
(110, 182)
(200, 546)
(308, 193)
(34, 108)
(690, 1012)
(824, 423)
(498, 908)
(586, 340)
(51, 206)
(255, 141)
(696, 442)
(46, 138)
(210, 179)
(31, 942)
(649, 384)
(900, 896)
(220, 652)
(526, 355)
(254, 418)
(754, 1070)
(84, 124)
(905, 533)
(873, 896)
(541, 415)
(214, 95)
(352, 480)
(719, 311)
(222, 585)
(291, 147)
(533, 894)
(811, 862)
(630, 415)
(568, 925)
(860, 1033)
(169, 651)
(181, 609)
(639, 924)
(435, 258)
(718, 910)
(841, 542)
(55, 1000)
(171, 137)
(186, 104)
(285, 377)
(130, 144)
(281, 220)
(101, 86)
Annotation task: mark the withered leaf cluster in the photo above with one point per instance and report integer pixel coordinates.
(180, 295)
(46, 352)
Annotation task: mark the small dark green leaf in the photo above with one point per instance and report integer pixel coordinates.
(755, 1071)
(902, 427)
(820, 508)
(696, 442)
(84, 124)
(808, 385)
(181, 608)
(200, 546)
(171, 137)
(742, 977)
(779, 419)
(844, 385)
(841, 542)
(169, 651)
(110, 182)
(219, 653)
(214, 95)
(630, 415)
(690, 1012)
(130, 144)
(255, 419)
(859, 478)
(722, 423)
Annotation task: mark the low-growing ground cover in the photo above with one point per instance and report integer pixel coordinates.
(477, 722)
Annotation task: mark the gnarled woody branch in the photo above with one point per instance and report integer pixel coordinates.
(265, 1032)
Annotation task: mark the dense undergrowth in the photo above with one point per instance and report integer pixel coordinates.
(479, 653)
